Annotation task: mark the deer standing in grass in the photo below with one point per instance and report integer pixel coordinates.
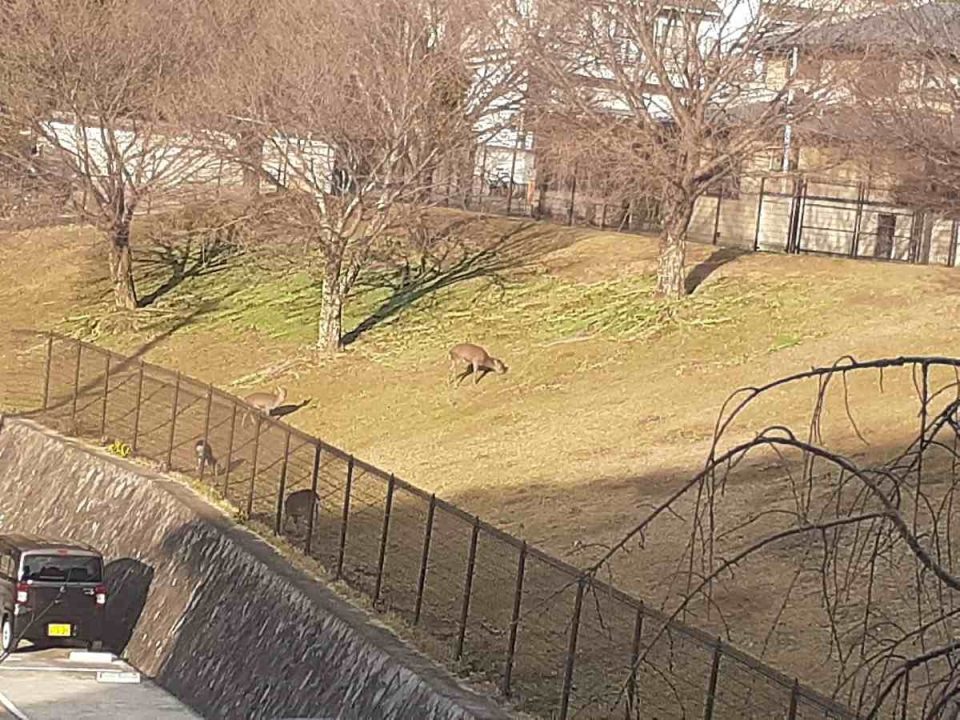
(265, 402)
(297, 507)
(479, 362)
(205, 457)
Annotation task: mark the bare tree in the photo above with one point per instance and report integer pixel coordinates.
(238, 76)
(356, 113)
(99, 87)
(667, 99)
(850, 563)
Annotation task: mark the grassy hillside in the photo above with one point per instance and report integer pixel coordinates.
(610, 396)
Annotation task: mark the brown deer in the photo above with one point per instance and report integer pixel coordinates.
(479, 362)
(205, 457)
(297, 507)
(265, 402)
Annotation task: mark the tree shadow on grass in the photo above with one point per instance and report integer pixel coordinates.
(169, 264)
(705, 269)
(446, 259)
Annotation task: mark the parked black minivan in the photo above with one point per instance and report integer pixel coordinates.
(51, 592)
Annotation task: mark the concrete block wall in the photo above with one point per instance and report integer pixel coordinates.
(210, 610)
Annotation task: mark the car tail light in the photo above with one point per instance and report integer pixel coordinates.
(23, 593)
(101, 594)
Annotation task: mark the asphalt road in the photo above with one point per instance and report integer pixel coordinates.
(46, 685)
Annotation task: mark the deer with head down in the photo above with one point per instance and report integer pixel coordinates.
(478, 361)
(298, 506)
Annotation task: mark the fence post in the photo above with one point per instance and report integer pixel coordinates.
(795, 226)
(514, 620)
(716, 219)
(46, 370)
(136, 411)
(230, 435)
(472, 156)
(206, 433)
(345, 518)
(283, 484)
(573, 199)
(381, 559)
(513, 170)
(467, 589)
(857, 221)
(924, 409)
(173, 421)
(794, 700)
(905, 697)
(954, 237)
(603, 217)
(253, 470)
(632, 701)
(572, 649)
(106, 391)
(313, 498)
(424, 558)
(756, 233)
(917, 234)
(76, 385)
(712, 686)
(483, 177)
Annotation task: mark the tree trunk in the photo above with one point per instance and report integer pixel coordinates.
(121, 268)
(250, 148)
(671, 268)
(330, 330)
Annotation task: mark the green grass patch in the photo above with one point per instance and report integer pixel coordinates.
(236, 297)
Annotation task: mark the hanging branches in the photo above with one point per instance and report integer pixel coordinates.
(854, 556)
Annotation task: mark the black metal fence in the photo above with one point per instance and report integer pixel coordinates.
(559, 643)
(778, 213)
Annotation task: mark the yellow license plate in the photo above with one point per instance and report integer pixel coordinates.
(58, 630)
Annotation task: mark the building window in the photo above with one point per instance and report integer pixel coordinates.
(775, 159)
(775, 73)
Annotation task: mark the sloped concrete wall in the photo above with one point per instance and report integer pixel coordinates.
(208, 609)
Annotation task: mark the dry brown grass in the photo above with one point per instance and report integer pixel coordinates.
(609, 399)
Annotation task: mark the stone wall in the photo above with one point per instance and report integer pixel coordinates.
(207, 608)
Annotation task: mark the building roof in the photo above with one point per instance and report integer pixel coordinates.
(707, 6)
(710, 7)
(934, 26)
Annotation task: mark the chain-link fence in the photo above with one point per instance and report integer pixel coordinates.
(561, 644)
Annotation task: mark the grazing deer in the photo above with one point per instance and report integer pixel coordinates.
(264, 402)
(478, 362)
(297, 507)
(205, 457)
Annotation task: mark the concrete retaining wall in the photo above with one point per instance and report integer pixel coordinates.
(207, 608)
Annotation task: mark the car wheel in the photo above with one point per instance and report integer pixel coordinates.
(6, 635)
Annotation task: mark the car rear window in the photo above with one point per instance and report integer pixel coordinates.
(62, 568)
